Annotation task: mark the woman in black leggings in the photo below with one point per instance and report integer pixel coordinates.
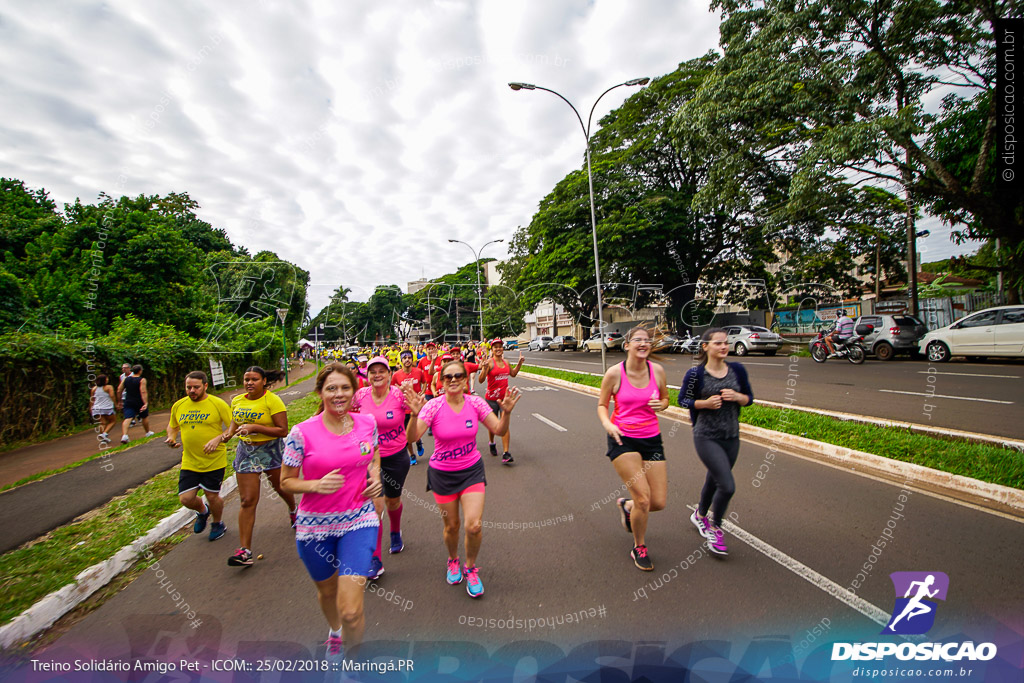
(714, 390)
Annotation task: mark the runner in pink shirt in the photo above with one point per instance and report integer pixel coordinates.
(634, 437)
(386, 404)
(333, 460)
(456, 471)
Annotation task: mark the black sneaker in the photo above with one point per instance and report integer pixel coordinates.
(507, 459)
(200, 524)
(624, 515)
(494, 448)
(241, 558)
(640, 559)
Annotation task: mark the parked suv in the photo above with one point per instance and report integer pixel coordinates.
(539, 344)
(561, 343)
(746, 338)
(892, 334)
(612, 340)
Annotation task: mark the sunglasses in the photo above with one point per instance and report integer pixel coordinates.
(458, 376)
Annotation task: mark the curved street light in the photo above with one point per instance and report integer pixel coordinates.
(590, 180)
(479, 293)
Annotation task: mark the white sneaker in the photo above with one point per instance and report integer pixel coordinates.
(104, 438)
(149, 434)
(124, 439)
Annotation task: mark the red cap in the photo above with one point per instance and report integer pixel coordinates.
(497, 341)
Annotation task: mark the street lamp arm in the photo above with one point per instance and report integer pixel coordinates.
(586, 133)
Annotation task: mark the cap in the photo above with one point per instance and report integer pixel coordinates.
(361, 359)
(446, 356)
(497, 341)
(378, 360)
(430, 345)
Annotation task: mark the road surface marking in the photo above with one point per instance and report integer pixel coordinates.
(550, 423)
(958, 398)
(967, 374)
(826, 584)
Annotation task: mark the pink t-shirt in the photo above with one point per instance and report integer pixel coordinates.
(390, 417)
(454, 433)
(318, 451)
(632, 415)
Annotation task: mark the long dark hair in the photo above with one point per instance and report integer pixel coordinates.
(702, 355)
(272, 377)
(326, 372)
(102, 381)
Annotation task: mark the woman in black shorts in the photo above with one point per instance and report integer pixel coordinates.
(713, 391)
(634, 437)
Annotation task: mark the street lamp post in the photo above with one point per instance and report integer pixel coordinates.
(281, 313)
(479, 292)
(590, 182)
(316, 345)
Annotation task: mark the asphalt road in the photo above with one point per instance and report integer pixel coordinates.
(975, 397)
(553, 547)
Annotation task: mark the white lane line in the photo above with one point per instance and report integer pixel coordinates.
(967, 374)
(956, 398)
(549, 423)
(826, 584)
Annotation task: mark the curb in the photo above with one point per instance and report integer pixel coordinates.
(993, 496)
(45, 613)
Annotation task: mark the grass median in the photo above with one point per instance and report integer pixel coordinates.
(989, 463)
(52, 561)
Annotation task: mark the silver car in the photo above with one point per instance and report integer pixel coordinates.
(892, 334)
(539, 344)
(746, 338)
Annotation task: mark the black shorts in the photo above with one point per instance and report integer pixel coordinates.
(445, 483)
(133, 411)
(208, 481)
(495, 407)
(650, 449)
(393, 471)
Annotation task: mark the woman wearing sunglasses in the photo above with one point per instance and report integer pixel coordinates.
(634, 437)
(456, 471)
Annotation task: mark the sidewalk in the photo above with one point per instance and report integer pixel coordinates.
(58, 499)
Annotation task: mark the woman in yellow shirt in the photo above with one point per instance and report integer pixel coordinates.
(260, 420)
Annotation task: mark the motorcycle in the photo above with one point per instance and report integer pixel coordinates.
(852, 349)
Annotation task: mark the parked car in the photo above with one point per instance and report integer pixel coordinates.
(992, 332)
(539, 344)
(510, 344)
(892, 334)
(563, 342)
(613, 340)
(746, 338)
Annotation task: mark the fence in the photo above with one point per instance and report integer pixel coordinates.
(942, 311)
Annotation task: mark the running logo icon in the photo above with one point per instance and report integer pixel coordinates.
(916, 593)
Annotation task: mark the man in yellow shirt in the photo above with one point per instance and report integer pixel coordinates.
(200, 420)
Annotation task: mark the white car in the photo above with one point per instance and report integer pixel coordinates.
(992, 332)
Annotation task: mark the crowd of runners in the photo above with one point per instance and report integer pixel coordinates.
(341, 470)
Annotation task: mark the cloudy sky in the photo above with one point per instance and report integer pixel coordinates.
(352, 138)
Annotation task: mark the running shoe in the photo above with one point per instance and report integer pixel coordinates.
(241, 558)
(200, 523)
(716, 541)
(335, 649)
(217, 529)
(493, 447)
(134, 422)
(419, 449)
(396, 542)
(104, 438)
(454, 572)
(149, 434)
(376, 569)
(124, 439)
(474, 586)
(507, 459)
(640, 558)
(624, 514)
(412, 459)
(702, 524)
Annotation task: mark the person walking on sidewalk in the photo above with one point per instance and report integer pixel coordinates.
(260, 420)
(496, 371)
(333, 460)
(634, 437)
(456, 470)
(101, 406)
(713, 391)
(136, 402)
(200, 420)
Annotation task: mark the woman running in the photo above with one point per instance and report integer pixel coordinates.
(101, 406)
(713, 391)
(496, 371)
(386, 405)
(260, 420)
(336, 529)
(634, 437)
(456, 471)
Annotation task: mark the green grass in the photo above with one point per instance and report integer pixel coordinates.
(52, 561)
(979, 461)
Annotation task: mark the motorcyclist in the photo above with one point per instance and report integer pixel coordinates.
(842, 332)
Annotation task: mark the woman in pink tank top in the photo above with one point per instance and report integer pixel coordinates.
(634, 437)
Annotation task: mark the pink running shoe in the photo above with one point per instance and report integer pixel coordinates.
(702, 524)
(716, 541)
